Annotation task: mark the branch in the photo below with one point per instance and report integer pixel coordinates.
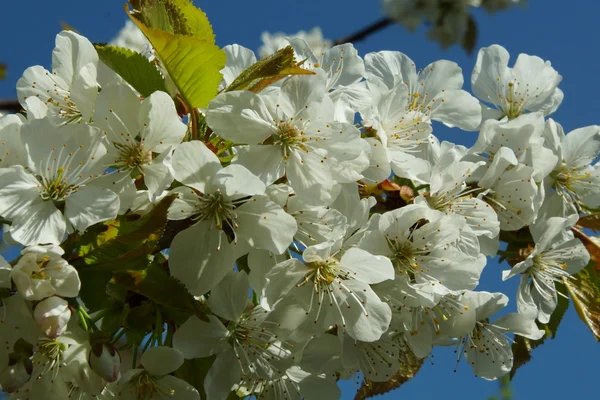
(11, 106)
(366, 31)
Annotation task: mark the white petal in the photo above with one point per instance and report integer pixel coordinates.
(178, 387)
(43, 224)
(195, 165)
(300, 91)
(521, 325)
(80, 212)
(200, 257)
(457, 108)
(265, 225)
(266, 162)
(196, 338)
(235, 181)
(366, 267)
(222, 376)
(229, 298)
(309, 177)
(391, 68)
(71, 54)
(117, 110)
(158, 123)
(241, 117)
(161, 360)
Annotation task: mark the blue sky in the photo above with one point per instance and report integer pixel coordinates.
(565, 35)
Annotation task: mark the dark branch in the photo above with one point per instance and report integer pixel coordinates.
(11, 106)
(366, 31)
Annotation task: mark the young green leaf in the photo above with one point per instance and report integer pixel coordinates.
(269, 69)
(193, 65)
(196, 20)
(133, 67)
(179, 17)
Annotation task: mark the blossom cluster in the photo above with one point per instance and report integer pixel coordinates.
(334, 235)
(450, 20)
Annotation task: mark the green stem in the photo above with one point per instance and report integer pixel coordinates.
(99, 315)
(5, 222)
(135, 353)
(118, 336)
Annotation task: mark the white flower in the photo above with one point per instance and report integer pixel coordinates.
(57, 362)
(435, 92)
(227, 205)
(143, 136)
(275, 41)
(292, 133)
(311, 295)
(575, 179)
(153, 380)
(557, 255)
(450, 193)
(422, 246)
(315, 224)
(524, 135)
(42, 272)
(531, 85)
(56, 193)
(52, 315)
(298, 384)
(71, 88)
(12, 151)
(511, 190)
(247, 347)
(403, 135)
(344, 68)
(486, 348)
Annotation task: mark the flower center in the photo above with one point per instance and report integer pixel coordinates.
(565, 181)
(288, 137)
(56, 188)
(147, 387)
(213, 206)
(133, 155)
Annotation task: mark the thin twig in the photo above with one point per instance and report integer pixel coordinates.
(366, 31)
(11, 106)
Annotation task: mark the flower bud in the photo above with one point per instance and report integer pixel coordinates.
(17, 372)
(52, 315)
(104, 360)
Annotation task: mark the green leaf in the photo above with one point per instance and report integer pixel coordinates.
(196, 20)
(179, 17)
(584, 289)
(409, 366)
(158, 286)
(136, 69)
(118, 245)
(194, 65)
(268, 70)
(522, 346)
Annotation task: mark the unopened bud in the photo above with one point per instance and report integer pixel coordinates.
(104, 360)
(17, 373)
(52, 315)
